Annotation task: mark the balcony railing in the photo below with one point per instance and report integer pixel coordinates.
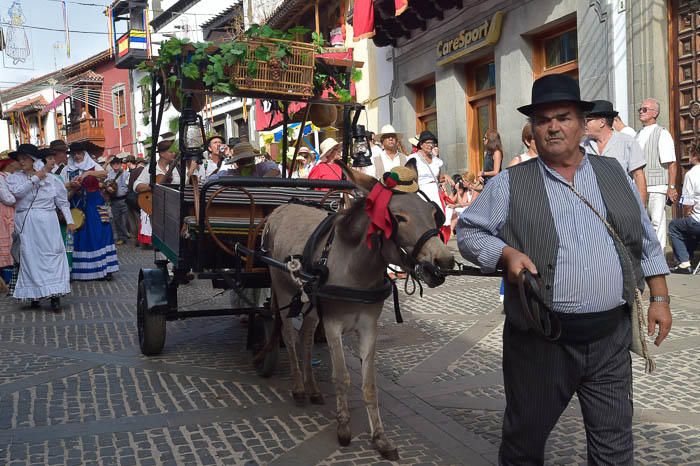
(90, 129)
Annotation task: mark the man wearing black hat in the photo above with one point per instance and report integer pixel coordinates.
(118, 188)
(60, 156)
(603, 140)
(538, 216)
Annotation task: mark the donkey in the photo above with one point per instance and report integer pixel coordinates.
(351, 263)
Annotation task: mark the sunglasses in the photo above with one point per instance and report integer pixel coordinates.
(645, 109)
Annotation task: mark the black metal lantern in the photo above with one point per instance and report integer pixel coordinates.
(192, 136)
(362, 154)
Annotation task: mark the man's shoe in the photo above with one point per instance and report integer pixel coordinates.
(681, 270)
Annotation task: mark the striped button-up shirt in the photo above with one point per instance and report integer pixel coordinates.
(588, 275)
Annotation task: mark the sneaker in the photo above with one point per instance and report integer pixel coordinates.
(681, 270)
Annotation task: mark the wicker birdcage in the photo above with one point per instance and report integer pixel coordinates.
(294, 77)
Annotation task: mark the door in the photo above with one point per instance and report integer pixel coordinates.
(685, 29)
(481, 109)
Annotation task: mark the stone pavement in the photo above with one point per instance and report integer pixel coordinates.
(75, 390)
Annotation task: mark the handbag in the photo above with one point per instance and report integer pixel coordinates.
(638, 317)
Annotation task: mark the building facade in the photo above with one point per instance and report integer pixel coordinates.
(474, 65)
(89, 102)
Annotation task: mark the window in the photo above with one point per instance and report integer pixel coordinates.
(556, 51)
(426, 108)
(481, 109)
(119, 106)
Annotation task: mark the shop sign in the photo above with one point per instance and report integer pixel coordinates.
(470, 39)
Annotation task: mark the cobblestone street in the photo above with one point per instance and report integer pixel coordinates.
(75, 389)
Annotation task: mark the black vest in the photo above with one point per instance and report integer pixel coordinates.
(530, 227)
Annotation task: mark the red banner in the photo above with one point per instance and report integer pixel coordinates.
(363, 19)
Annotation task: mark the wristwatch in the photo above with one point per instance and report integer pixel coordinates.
(672, 186)
(660, 299)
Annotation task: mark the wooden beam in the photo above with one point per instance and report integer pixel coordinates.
(318, 23)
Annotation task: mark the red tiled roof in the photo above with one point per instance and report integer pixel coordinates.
(87, 77)
(35, 104)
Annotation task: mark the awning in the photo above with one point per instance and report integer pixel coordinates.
(54, 103)
(275, 135)
(363, 19)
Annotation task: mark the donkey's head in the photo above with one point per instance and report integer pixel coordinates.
(415, 242)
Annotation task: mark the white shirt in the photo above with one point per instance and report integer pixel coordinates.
(205, 170)
(691, 191)
(145, 177)
(387, 161)
(667, 151)
(628, 131)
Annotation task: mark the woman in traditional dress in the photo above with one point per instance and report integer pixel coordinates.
(429, 168)
(7, 220)
(43, 267)
(94, 252)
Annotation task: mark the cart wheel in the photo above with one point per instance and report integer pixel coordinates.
(151, 325)
(267, 366)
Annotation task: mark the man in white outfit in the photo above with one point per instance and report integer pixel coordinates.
(661, 168)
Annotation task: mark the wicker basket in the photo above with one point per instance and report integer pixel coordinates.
(296, 79)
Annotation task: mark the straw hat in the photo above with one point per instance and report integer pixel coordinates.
(328, 145)
(413, 141)
(400, 179)
(242, 150)
(387, 130)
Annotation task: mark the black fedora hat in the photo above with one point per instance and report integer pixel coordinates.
(602, 108)
(28, 149)
(555, 88)
(59, 145)
(46, 152)
(426, 136)
(76, 147)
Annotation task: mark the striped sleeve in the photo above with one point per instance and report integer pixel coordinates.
(479, 225)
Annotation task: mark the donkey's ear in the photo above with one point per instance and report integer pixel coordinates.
(362, 181)
(412, 165)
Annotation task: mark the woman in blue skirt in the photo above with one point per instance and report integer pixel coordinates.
(94, 253)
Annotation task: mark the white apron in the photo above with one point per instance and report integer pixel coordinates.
(43, 269)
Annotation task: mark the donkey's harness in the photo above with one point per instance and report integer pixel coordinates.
(311, 276)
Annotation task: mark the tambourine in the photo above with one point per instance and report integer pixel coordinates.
(78, 217)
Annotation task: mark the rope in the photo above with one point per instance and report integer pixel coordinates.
(294, 267)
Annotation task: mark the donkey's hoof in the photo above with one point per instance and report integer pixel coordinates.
(390, 455)
(385, 448)
(299, 399)
(317, 399)
(344, 434)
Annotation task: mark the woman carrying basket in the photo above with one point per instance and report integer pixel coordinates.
(43, 267)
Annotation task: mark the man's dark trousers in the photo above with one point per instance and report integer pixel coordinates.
(684, 234)
(540, 379)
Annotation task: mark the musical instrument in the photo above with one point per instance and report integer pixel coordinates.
(78, 217)
(145, 202)
(109, 187)
(145, 199)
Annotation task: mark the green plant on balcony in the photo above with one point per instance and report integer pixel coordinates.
(203, 65)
